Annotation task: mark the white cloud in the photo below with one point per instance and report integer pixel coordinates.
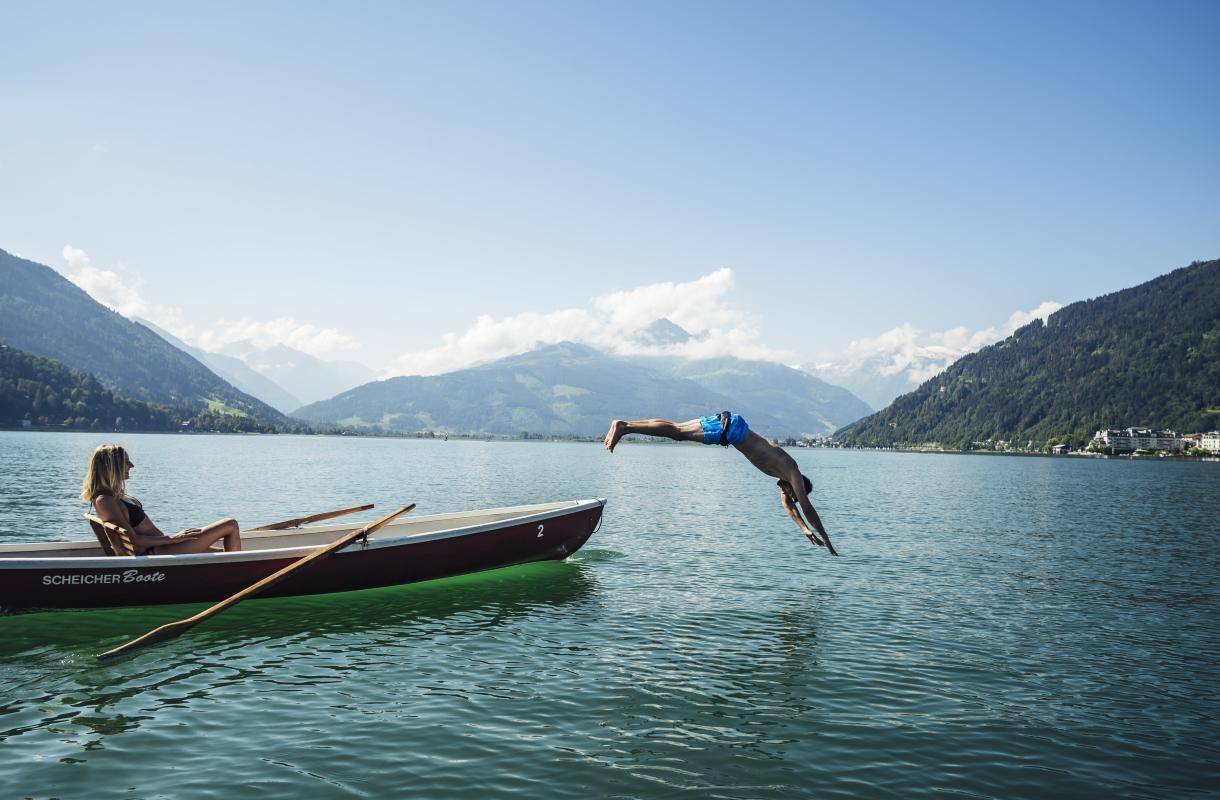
(696, 306)
(103, 285)
(608, 322)
(907, 351)
(125, 296)
(320, 342)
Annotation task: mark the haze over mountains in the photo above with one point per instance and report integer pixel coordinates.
(303, 376)
(279, 376)
(235, 371)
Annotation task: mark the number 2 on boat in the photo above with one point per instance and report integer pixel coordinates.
(539, 536)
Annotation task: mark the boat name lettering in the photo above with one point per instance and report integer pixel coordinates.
(89, 578)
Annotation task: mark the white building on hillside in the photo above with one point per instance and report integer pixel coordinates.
(1138, 439)
(1210, 441)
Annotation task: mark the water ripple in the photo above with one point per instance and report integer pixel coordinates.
(996, 628)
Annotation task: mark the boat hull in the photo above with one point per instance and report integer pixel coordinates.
(394, 557)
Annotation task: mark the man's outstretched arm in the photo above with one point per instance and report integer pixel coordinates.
(789, 505)
(812, 515)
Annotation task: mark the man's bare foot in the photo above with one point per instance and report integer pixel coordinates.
(618, 428)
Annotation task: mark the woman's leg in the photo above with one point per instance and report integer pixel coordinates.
(226, 529)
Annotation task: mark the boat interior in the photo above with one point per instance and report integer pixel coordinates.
(312, 536)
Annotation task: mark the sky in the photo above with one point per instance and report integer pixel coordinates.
(420, 186)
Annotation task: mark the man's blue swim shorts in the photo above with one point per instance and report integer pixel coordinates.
(724, 429)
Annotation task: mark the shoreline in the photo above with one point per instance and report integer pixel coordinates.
(1020, 454)
(540, 438)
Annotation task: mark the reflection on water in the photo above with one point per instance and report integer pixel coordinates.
(264, 641)
(472, 601)
(997, 627)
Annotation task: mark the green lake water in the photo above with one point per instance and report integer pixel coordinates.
(995, 628)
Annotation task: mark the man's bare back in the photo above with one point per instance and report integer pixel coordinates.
(766, 455)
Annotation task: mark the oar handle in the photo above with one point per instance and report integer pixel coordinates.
(299, 521)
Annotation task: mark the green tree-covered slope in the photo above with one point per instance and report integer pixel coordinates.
(46, 393)
(43, 313)
(1145, 356)
(49, 394)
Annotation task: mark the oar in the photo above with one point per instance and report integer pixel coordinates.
(175, 629)
(299, 521)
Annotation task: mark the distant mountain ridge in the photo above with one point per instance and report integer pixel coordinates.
(235, 371)
(574, 389)
(874, 380)
(802, 402)
(43, 313)
(1144, 356)
(302, 375)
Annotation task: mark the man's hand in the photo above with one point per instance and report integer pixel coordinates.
(187, 534)
(791, 507)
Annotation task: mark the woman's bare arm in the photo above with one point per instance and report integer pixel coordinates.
(143, 536)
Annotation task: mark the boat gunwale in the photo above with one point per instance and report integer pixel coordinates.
(378, 542)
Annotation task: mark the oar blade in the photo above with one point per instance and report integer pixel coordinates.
(156, 636)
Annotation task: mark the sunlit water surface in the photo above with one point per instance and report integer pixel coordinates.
(996, 627)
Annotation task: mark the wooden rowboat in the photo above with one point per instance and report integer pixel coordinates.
(81, 575)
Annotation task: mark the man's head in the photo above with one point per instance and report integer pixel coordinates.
(787, 487)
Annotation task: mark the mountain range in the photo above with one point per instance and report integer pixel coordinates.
(1148, 356)
(875, 380)
(235, 371)
(573, 389)
(304, 377)
(44, 314)
(280, 376)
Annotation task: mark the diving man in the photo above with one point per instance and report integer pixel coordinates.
(727, 429)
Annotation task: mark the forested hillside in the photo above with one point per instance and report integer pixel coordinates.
(1145, 356)
(48, 394)
(43, 313)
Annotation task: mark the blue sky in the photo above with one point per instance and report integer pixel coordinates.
(360, 180)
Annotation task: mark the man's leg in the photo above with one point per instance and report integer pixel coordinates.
(691, 431)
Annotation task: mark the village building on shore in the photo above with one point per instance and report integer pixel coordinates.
(1132, 439)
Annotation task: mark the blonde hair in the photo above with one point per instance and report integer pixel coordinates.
(105, 473)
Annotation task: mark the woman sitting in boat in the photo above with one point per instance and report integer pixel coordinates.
(105, 487)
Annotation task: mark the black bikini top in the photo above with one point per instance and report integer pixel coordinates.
(135, 513)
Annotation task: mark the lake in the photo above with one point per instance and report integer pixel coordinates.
(997, 627)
